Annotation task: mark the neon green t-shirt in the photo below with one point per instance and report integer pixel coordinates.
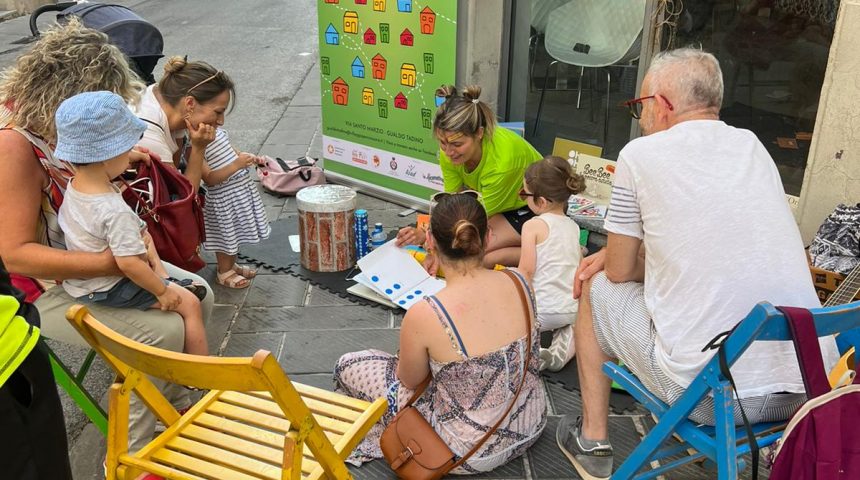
(499, 175)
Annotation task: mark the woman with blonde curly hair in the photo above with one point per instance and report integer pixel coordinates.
(66, 61)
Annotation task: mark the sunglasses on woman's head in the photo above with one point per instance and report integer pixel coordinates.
(440, 195)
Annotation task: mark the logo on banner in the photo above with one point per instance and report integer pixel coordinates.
(410, 170)
(376, 161)
(434, 179)
(393, 164)
(359, 157)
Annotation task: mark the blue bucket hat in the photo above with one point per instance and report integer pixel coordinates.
(95, 126)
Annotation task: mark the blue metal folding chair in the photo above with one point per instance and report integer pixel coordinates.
(719, 444)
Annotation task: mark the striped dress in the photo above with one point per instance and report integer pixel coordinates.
(233, 212)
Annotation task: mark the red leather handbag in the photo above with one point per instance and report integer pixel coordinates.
(164, 199)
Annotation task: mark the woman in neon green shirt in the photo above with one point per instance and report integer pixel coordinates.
(477, 154)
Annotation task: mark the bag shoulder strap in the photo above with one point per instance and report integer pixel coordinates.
(808, 350)
(527, 314)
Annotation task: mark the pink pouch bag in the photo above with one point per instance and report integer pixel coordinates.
(288, 177)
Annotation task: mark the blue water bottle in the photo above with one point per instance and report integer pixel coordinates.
(360, 233)
(377, 238)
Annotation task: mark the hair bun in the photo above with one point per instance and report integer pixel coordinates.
(174, 64)
(467, 238)
(472, 92)
(446, 91)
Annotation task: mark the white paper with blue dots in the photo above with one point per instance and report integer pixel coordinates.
(393, 273)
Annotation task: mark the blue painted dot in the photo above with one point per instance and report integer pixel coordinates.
(389, 291)
(374, 278)
(397, 286)
(410, 297)
(402, 302)
(417, 292)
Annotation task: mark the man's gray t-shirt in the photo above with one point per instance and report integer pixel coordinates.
(93, 223)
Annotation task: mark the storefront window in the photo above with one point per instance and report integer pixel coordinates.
(578, 50)
(773, 54)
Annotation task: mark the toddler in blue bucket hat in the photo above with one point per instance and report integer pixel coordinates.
(95, 133)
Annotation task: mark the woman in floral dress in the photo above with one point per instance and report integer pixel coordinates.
(471, 337)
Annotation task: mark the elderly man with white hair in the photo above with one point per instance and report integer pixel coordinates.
(699, 232)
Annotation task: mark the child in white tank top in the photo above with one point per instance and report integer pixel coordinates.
(550, 253)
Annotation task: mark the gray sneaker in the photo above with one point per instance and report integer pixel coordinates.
(592, 461)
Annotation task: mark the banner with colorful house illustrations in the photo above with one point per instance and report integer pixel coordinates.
(381, 62)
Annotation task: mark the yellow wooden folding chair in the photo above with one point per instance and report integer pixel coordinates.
(253, 424)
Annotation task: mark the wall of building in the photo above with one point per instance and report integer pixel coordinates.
(832, 173)
(479, 47)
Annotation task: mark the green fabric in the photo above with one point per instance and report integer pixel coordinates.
(17, 337)
(499, 175)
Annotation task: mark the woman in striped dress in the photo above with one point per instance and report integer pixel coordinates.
(233, 213)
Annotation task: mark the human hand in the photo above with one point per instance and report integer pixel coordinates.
(142, 155)
(200, 136)
(588, 267)
(171, 298)
(246, 160)
(410, 236)
(431, 264)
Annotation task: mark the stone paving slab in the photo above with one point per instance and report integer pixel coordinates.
(247, 344)
(317, 351)
(320, 297)
(276, 291)
(284, 319)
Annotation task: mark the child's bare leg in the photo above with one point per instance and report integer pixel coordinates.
(195, 332)
(225, 262)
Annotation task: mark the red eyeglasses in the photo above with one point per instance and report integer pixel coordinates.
(635, 105)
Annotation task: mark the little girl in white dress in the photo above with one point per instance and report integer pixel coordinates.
(233, 213)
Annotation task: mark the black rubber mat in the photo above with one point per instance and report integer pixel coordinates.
(275, 254)
(620, 402)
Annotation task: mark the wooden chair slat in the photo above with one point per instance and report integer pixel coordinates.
(226, 458)
(317, 406)
(181, 461)
(268, 407)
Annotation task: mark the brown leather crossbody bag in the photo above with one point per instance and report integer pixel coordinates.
(410, 445)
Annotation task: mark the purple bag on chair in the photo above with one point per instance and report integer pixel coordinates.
(288, 177)
(821, 441)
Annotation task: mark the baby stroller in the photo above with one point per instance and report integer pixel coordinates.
(138, 39)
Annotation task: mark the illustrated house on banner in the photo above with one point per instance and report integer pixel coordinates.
(332, 1)
(379, 5)
(361, 2)
(331, 35)
(350, 22)
(379, 66)
(400, 101)
(339, 92)
(428, 21)
(367, 96)
(370, 37)
(406, 38)
(404, 6)
(357, 68)
(407, 75)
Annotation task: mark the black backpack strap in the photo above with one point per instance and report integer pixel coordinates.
(719, 342)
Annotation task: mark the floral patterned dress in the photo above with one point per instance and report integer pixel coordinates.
(463, 401)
